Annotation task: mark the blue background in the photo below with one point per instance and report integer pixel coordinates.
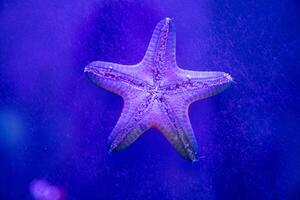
(54, 122)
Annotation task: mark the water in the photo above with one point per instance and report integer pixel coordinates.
(54, 122)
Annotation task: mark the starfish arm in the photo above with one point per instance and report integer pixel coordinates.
(161, 53)
(163, 42)
(132, 122)
(117, 78)
(194, 86)
(175, 126)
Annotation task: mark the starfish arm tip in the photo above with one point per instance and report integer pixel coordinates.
(88, 68)
(193, 156)
(111, 149)
(229, 77)
(168, 19)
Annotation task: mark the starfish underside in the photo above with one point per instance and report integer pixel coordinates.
(157, 93)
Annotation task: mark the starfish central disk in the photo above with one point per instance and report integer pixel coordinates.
(157, 93)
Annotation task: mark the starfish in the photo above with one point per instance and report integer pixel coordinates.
(157, 93)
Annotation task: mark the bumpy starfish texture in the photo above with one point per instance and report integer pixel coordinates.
(157, 93)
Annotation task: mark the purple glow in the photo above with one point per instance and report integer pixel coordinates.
(42, 190)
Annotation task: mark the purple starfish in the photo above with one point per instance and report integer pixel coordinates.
(157, 93)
